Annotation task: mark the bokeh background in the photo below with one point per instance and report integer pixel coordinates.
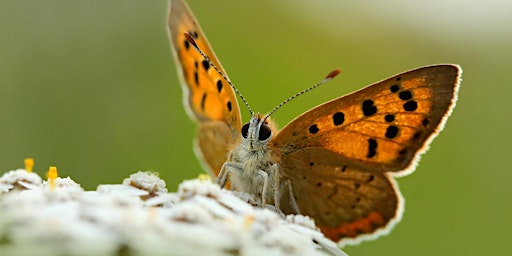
(91, 87)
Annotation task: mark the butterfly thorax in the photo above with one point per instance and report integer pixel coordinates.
(253, 156)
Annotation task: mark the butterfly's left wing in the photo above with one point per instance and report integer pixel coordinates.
(340, 155)
(207, 97)
(384, 126)
(345, 201)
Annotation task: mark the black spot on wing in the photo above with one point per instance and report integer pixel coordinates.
(389, 118)
(196, 78)
(405, 95)
(313, 129)
(206, 65)
(230, 107)
(391, 132)
(425, 122)
(369, 108)
(372, 148)
(338, 118)
(219, 86)
(203, 100)
(410, 106)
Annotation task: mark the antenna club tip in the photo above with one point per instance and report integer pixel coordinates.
(333, 73)
(190, 39)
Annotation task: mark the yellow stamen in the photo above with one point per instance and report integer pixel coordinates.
(248, 221)
(29, 164)
(52, 175)
(204, 177)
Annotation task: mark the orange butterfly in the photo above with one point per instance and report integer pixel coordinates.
(335, 162)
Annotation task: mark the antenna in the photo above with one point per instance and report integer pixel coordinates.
(327, 78)
(191, 40)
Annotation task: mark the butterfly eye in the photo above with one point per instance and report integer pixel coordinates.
(265, 132)
(245, 130)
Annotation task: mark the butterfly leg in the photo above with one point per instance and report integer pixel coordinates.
(274, 170)
(292, 197)
(264, 175)
(224, 172)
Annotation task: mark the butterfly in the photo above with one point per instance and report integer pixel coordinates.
(336, 162)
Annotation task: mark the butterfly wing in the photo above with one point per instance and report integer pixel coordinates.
(339, 155)
(345, 201)
(207, 96)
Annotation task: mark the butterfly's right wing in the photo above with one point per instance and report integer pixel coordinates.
(207, 96)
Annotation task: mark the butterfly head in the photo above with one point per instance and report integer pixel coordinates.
(257, 133)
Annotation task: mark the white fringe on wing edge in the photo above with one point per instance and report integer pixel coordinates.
(139, 217)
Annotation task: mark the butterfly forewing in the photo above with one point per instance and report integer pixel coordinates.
(207, 95)
(381, 127)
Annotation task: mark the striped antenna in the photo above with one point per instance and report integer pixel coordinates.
(191, 40)
(327, 78)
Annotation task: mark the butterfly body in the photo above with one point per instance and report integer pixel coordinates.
(249, 165)
(336, 162)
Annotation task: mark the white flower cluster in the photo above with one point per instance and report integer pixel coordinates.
(139, 217)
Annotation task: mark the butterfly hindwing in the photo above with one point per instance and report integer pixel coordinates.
(344, 201)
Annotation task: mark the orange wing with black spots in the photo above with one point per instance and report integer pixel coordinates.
(340, 156)
(206, 94)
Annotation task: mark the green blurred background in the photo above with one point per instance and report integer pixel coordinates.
(91, 87)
